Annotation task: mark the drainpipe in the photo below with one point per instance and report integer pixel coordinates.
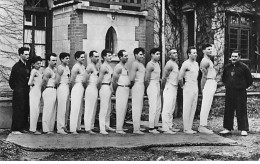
(163, 35)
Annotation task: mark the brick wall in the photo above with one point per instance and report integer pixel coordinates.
(76, 32)
(140, 32)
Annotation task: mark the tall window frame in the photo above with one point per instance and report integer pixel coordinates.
(239, 35)
(36, 27)
(111, 40)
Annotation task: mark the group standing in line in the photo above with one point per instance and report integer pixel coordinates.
(57, 84)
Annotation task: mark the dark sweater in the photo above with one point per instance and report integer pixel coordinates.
(241, 78)
(19, 76)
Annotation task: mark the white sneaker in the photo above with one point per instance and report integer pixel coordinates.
(138, 132)
(104, 132)
(62, 132)
(16, 132)
(110, 129)
(203, 129)
(175, 129)
(243, 133)
(74, 133)
(225, 131)
(142, 129)
(190, 131)
(120, 132)
(169, 132)
(90, 132)
(154, 131)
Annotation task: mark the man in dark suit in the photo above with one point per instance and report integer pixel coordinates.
(19, 84)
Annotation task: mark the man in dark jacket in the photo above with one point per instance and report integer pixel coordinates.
(19, 84)
(236, 77)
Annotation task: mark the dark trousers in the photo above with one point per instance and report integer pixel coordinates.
(20, 109)
(236, 100)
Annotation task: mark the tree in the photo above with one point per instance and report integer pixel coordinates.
(11, 34)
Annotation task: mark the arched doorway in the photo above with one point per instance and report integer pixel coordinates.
(111, 40)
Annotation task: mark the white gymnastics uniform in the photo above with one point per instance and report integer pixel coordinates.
(35, 98)
(169, 96)
(91, 95)
(77, 93)
(105, 99)
(154, 96)
(122, 94)
(190, 93)
(138, 96)
(62, 98)
(208, 93)
(49, 96)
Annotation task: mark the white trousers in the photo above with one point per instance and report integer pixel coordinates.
(154, 98)
(122, 94)
(91, 95)
(207, 98)
(63, 103)
(77, 93)
(137, 104)
(190, 97)
(35, 98)
(105, 107)
(169, 102)
(49, 96)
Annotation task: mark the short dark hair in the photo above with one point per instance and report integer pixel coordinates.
(22, 49)
(36, 59)
(91, 53)
(120, 53)
(236, 51)
(48, 56)
(63, 55)
(105, 52)
(154, 50)
(204, 46)
(137, 50)
(190, 48)
(78, 53)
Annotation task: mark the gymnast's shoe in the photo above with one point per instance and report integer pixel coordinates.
(154, 131)
(138, 132)
(203, 129)
(104, 132)
(62, 132)
(90, 132)
(175, 129)
(169, 132)
(120, 132)
(110, 129)
(190, 131)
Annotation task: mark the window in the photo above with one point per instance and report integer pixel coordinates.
(35, 33)
(36, 27)
(239, 35)
(110, 41)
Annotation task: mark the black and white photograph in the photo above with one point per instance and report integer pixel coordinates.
(130, 80)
